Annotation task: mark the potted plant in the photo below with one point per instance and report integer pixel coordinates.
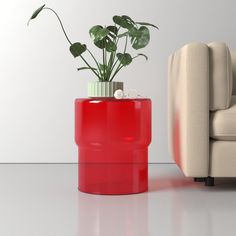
(108, 39)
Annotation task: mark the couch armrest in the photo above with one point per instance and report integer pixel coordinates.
(188, 101)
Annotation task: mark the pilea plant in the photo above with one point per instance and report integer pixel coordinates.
(107, 38)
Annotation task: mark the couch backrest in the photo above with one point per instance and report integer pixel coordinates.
(220, 76)
(233, 57)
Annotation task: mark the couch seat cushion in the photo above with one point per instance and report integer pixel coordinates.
(223, 123)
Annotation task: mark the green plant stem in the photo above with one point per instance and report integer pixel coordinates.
(94, 60)
(115, 53)
(112, 56)
(114, 64)
(90, 67)
(106, 67)
(110, 65)
(119, 67)
(126, 42)
(105, 56)
(113, 59)
(63, 29)
(116, 40)
(103, 60)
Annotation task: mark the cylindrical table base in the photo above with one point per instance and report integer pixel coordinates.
(120, 177)
(113, 137)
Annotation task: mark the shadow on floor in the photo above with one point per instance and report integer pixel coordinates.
(165, 183)
(168, 183)
(224, 184)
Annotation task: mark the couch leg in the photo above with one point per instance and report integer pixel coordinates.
(199, 179)
(209, 181)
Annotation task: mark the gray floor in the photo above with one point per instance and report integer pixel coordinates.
(42, 200)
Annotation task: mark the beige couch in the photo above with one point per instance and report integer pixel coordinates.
(202, 110)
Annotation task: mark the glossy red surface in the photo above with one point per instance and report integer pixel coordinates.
(113, 138)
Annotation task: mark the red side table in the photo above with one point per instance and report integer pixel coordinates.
(113, 137)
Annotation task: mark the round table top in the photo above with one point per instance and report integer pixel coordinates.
(94, 100)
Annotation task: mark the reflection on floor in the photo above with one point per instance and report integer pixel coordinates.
(42, 199)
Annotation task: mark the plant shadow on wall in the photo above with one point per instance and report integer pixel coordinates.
(108, 39)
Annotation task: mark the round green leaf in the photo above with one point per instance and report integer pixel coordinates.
(113, 29)
(102, 33)
(107, 44)
(98, 33)
(77, 49)
(143, 39)
(100, 43)
(134, 32)
(125, 59)
(111, 46)
(122, 22)
(128, 19)
(94, 31)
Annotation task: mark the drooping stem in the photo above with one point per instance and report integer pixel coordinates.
(63, 29)
(69, 41)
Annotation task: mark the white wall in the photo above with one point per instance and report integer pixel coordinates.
(39, 81)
